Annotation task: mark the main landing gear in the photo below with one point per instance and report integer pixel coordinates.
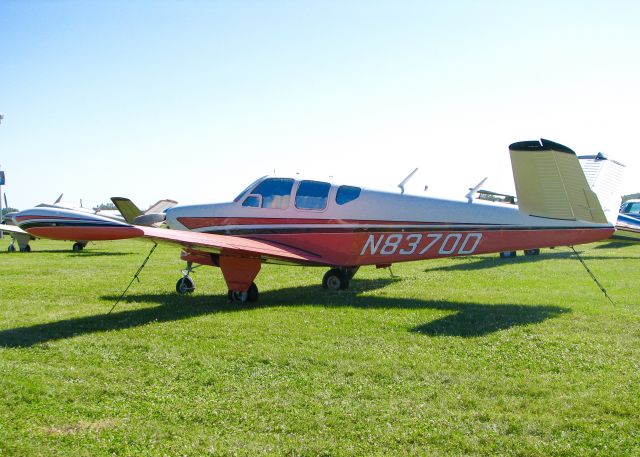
(25, 248)
(79, 246)
(250, 295)
(338, 278)
(186, 285)
(335, 279)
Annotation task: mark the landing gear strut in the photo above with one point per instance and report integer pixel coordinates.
(338, 278)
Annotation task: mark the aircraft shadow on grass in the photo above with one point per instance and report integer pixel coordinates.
(467, 320)
(68, 253)
(615, 245)
(482, 263)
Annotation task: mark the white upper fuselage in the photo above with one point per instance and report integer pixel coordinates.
(369, 209)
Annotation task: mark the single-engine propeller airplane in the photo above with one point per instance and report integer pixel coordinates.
(307, 222)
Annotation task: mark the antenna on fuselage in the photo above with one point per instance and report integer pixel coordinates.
(473, 190)
(405, 180)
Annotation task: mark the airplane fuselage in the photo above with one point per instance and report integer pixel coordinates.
(377, 227)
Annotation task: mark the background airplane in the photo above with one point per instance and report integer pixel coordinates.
(126, 211)
(628, 223)
(343, 227)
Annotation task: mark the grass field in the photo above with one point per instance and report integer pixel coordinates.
(461, 356)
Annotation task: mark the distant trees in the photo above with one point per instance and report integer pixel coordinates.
(103, 206)
(8, 210)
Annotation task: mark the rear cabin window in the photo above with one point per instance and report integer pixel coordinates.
(275, 193)
(312, 195)
(347, 194)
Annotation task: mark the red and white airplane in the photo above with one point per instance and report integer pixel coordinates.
(307, 222)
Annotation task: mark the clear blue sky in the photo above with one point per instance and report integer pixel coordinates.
(193, 100)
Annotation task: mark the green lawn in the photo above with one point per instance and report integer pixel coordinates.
(462, 356)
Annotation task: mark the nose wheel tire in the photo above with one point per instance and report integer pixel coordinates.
(185, 285)
(27, 248)
(335, 279)
(240, 296)
(77, 247)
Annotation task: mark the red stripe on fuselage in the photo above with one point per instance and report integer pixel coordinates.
(86, 233)
(202, 222)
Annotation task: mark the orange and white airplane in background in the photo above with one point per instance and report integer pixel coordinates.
(313, 222)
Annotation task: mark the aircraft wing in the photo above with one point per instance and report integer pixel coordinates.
(65, 224)
(12, 229)
(230, 245)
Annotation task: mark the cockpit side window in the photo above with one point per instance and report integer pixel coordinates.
(312, 195)
(252, 201)
(275, 192)
(347, 194)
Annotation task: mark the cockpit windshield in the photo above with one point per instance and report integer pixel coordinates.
(250, 186)
(631, 207)
(270, 193)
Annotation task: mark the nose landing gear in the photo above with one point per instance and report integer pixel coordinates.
(185, 285)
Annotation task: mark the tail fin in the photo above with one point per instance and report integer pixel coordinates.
(604, 177)
(550, 182)
(127, 208)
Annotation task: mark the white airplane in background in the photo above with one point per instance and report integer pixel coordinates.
(126, 211)
(285, 220)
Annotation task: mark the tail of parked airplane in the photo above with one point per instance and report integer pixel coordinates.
(127, 208)
(550, 183)
(133, 215)
(604, 177)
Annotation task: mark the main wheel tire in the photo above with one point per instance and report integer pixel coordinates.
(335, 279)
(77, 247)
(11, 248)
(532, 251)
(249, 295)
(185, 285)
(238, 296)
(252, 293)
(508, 254)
